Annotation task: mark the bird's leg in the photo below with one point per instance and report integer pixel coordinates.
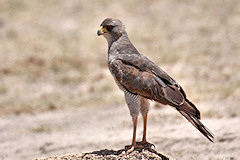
(134, 144)
(134, 132)
(144, 141)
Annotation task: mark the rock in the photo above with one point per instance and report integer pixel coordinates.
(106, 154)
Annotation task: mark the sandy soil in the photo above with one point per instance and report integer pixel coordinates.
(91, 129)
(113, 155)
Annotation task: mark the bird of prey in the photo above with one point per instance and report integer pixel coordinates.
(141, 80)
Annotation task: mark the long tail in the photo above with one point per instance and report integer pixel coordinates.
(194, 119)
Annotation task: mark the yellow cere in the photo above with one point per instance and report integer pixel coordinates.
(103, 30)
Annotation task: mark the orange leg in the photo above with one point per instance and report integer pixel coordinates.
(134, 132)
(134, 144)
(144, 142)
(144, 139)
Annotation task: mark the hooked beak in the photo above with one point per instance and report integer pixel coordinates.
(102, 31)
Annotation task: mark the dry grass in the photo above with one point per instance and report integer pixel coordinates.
(51, 58)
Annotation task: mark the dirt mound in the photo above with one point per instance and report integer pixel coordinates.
(144, 154)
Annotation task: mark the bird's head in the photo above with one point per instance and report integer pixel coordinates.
(111, 29)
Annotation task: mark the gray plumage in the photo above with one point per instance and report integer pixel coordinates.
(140, 79)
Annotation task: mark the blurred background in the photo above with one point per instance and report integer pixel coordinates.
(52, 59)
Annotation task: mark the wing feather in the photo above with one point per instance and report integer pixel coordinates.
(134, 80)
(140, 75)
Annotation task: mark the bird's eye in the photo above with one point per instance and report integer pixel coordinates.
(109, 28)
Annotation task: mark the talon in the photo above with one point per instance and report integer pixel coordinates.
(148, 145)
(153, 146)
(131, 148)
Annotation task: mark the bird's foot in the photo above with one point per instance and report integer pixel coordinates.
(139, 146)
(131, 148)
(147, 145)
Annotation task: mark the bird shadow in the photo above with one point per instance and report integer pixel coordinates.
(107, 152)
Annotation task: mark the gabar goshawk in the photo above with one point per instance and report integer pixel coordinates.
(141, 80)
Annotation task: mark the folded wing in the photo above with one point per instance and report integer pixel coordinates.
(138, 75)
